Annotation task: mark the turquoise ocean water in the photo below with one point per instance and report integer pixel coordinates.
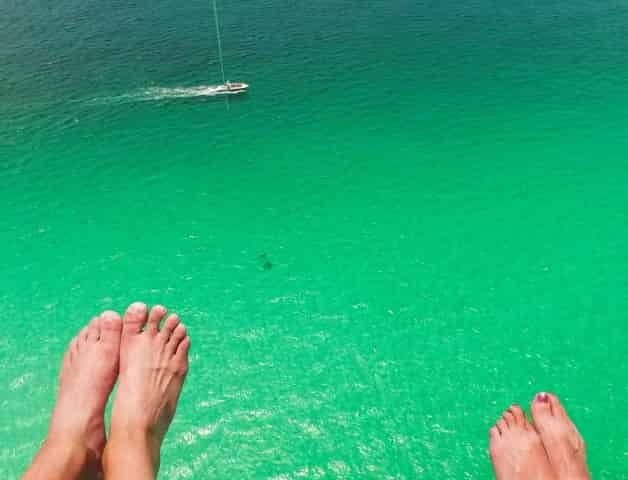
(440, 187)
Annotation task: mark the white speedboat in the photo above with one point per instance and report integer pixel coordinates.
(230, 88)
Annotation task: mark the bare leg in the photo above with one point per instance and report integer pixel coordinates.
(563, 443)
(516, 449)
(76, 437)
(153, 365)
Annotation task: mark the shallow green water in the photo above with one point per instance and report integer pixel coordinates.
(440, 188)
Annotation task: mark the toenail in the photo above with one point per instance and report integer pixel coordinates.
(138, 306)
(542, 397)
(108, 321)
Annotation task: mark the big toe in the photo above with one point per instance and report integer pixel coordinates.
(541, 410)
(557, 408)
(93, 330)
(110, 327)
(134, 318)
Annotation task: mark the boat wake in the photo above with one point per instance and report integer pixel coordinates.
(153, 94)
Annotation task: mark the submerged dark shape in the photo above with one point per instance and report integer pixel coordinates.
(266, 264)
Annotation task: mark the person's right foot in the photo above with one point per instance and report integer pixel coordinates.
(563, 443)
(516, 449)
(153, 366)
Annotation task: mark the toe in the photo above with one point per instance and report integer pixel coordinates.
(557, 408)
(502, 425)
(134, 319)
(184, 346)
(110, 327)
(170, 325)
(518, 415)
(494, 442)
(69, 355)
(509, 418)
(181, 356)
(155, 316)
(93, 330)
(541, 410)
(82, 337)
(175, 339)
(73, 348)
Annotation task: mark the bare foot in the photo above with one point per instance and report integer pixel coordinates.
(516, 449)
(564, 445)
(153, 366)
(76, 437)
(88, 374)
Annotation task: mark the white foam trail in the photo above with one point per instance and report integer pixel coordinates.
(161, 93)
(158, 93)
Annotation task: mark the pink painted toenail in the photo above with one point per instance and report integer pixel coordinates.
(542, 397)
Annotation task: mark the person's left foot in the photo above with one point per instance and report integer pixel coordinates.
(88, 374)
(516, 449)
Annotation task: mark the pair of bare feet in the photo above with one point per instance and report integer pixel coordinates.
(148, 354)
(551, 449)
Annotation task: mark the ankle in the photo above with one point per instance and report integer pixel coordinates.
(129, 434)
(68, 445)
(89, 433)
(62, 457)
(136, 448)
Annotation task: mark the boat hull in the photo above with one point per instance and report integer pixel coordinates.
(231, 88)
